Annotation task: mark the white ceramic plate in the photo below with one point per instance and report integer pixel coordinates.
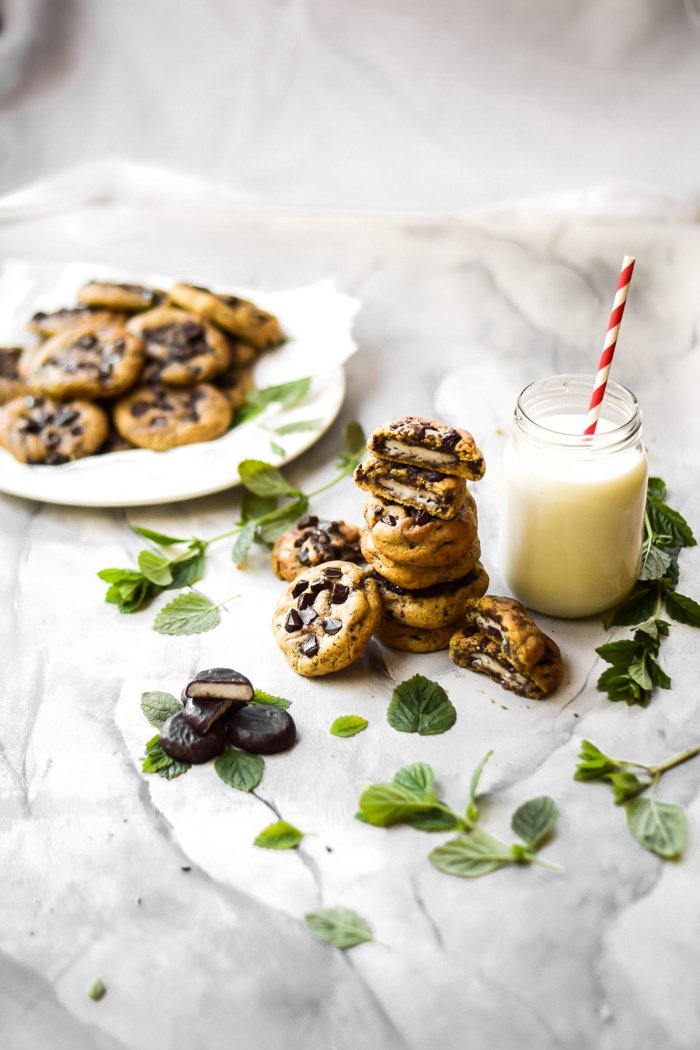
(318, 320)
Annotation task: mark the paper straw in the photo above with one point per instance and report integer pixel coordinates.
(601, 379)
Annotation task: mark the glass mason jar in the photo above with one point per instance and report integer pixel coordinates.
(572, 507)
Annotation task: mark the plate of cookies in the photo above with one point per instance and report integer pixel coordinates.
(124, 390)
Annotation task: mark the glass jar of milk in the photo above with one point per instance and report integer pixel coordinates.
(572, 507)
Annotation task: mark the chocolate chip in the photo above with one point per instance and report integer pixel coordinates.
(52, 439)
(299, 540)
(299, 588)
(331, 625)
(307, 522)
(389, 519)
(421, 517)
(309, 646)
(449, 440)
(318, 585)
(77, 431)
(339, 593)
(65, 416)
(139, 408)
(34, 402)
(308, 616)
(333, 573)
(87, 342)
(433, 475)
(307, 599)
(158, 421)
(118, 346)
(293, 622)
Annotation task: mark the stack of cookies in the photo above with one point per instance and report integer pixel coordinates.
(421, 539)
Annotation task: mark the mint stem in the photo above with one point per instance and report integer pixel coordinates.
(657, 771)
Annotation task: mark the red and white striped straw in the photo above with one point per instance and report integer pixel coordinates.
(606, 357)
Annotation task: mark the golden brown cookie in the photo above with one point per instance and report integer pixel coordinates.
(441, 605)
(86, 362)
(500, 639)
(413, 576)
(326, 617)
(41, 430)
(238, 316)
(440, 495)
(235, 384)
(429, 444)
(312, 542)
(111, 295)
(11, 382)
(411, 536)
(56, 321)
(159, 417)
(413, 639)
(185, 349)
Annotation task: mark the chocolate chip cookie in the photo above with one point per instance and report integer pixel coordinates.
(86, 362)
(312, 542)
(500, 640)
(159, 417)
(11, 382)
(413, 639)
(112, 295)
(441, 605)
(41, 430)
(235, 384)
(427, 443)
(238, 316)
(411, 536)
(326, 617)
(440, 495)
(415, 576)
(57, 321)
(185, 349)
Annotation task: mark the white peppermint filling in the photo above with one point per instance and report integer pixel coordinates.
(219, 690)
(428, 456)
(405, 492)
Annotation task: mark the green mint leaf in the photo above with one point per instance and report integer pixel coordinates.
(354, 447)
(277, 450)
(161, 538)
(682, 609)
(129, 597)
(420, 706)
(97, 990)
(471, 856)
(120, 575)
(638, 606)
(659, 826)
(239, 769)
(155, 568)
(655, 563)
(657, 674)
(272, 525)
(670, 580)
(243, 542)
(157, 707)
(348, 725)
(299, 427)
(625, 786)
(472, 808)
(656, 489)
(619, 654)
(419, 779)
(385, 804)
(264, 479)
(187, 571)
(621, 688)
(191, 613)
(156, 761)
(285, 394)
(669, 523)
(340, 927)
(593, 764)
(261, 697)
(535, 820)
(279, 835)
(253, 506)
(435, 820)
(637, 671)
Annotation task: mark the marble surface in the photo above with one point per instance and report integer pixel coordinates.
(156, 887)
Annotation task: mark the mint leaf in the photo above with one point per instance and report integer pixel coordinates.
(253, 506)
(239, 769)
(535, 820)
(277, 450)
(285, 394)
(340, 927)
(243, 542)
(669, 523)
(348, 725)
(420, 706)
(191, 613)
(157, 707)
(279, 835)
(659, 826)
(656, 489)
(387, 804)
(435, 820)
(299, 427)
(264, 479)
(471, 856)
(655, 563)
(188, 570)
(156, 761)
(120, 576)
(419, 779)
(161, 538)
(97, 990)
(638, 606)
(354, 447)
(682, 609)
(272, 525)
(625, 786)
(261, 697)
(593, 764)
(155, 568)
(472, 808)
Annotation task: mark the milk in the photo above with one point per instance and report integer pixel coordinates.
(572, 508)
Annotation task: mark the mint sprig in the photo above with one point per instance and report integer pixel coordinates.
(659, 827)
(162, 567)
(635, 671)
